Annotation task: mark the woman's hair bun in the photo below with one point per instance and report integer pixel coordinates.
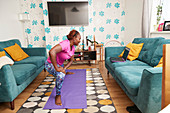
(71, 34)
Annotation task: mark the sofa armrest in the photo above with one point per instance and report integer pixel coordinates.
(113, 51)
(36, 51)
(8, 86)
(150, 90)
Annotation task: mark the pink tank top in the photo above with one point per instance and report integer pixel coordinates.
(66, 52)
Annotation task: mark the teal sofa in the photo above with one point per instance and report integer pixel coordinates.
(14, 79)
(141, 82)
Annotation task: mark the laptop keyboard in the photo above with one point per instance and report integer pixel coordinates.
(117, 59)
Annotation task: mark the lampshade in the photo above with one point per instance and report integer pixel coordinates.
(23, 17)
(74, 9)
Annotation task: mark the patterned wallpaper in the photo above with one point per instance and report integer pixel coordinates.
(34, 29)
(106, 22)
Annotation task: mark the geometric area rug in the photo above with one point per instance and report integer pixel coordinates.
(98, 98)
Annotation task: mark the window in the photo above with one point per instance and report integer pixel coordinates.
(165, 11)
(165, 15)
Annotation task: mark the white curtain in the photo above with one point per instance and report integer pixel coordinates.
(146, 18)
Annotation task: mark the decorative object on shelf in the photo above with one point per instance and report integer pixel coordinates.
(159, 13)
(160, 28)
(166, 26)
(91, 47)
(156, 27)
(92, 41)
(23, 17)
(79, 48)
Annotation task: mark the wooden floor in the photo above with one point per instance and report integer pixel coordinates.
(119, 98)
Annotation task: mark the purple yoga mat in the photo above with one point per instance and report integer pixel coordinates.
(73, 92)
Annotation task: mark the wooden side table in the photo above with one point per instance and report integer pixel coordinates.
(100, 46)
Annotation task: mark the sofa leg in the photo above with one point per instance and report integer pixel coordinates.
(107, 72)
(12, 105)
(44, 70)
(133, 109)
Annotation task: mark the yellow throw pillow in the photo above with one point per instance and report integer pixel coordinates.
(160, 64)
(2, 53)
(134, 51)
(16, 52)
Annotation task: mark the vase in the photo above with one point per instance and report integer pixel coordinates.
(92, 48)
(156, 27)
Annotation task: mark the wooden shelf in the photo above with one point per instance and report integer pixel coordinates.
(77, 56)
(160, 32)
(84, 51)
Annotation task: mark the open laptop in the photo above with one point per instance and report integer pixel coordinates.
(121, 59)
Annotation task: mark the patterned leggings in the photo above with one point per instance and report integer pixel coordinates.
(58, 75)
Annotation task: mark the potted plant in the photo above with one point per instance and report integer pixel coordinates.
(159, 13)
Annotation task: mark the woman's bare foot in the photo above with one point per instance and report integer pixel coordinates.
(69, 73)
(58, 100)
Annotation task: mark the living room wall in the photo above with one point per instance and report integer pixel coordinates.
(35, 28)
(10, 27)
(106, 22)
(133, 20)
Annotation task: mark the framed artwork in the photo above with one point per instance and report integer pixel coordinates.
(166, 26)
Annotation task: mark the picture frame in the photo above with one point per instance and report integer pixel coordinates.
(160, 27)
(166, 26)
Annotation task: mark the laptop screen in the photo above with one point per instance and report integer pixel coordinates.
(126, 52)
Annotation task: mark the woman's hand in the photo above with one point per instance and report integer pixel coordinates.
(61, 69)
(69, 73)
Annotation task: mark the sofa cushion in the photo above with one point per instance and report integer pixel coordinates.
(149, 47)
(130, 76)
(127, 63)
(36, 60)
(158, 52)
(22, 72)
